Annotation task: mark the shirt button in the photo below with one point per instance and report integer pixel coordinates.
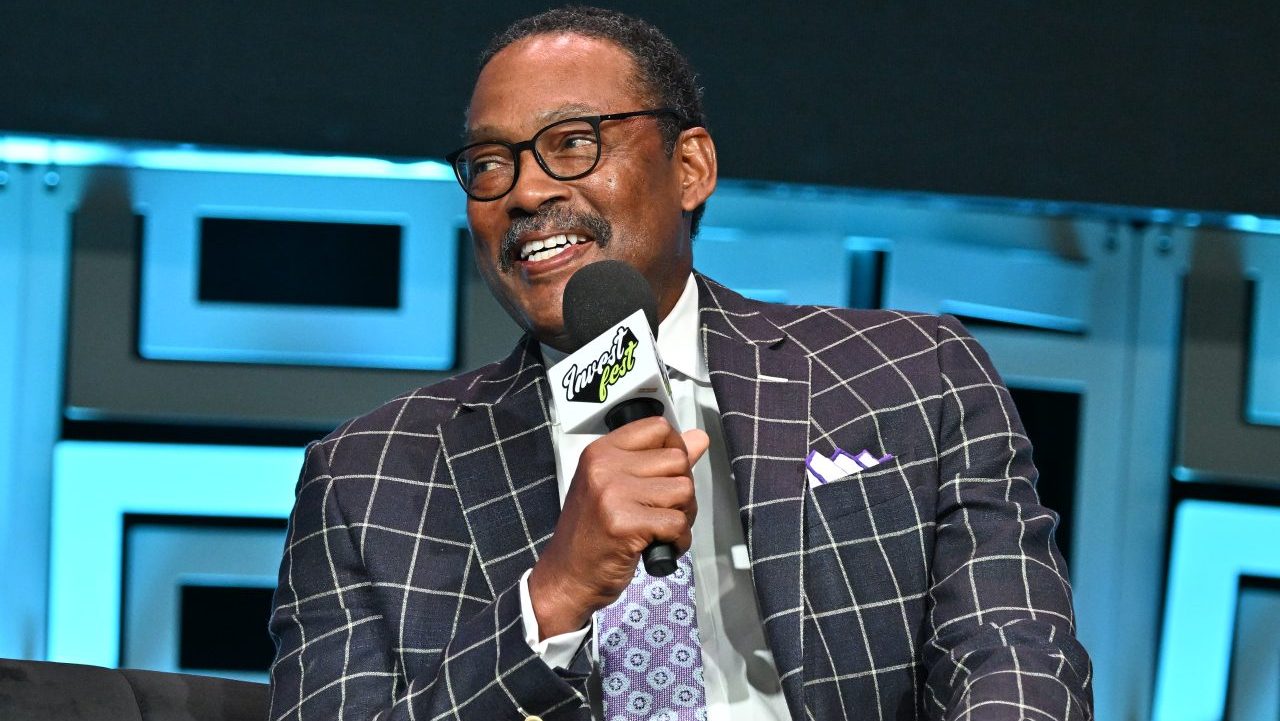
(532, 718)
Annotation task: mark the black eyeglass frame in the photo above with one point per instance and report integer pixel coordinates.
(517, 149)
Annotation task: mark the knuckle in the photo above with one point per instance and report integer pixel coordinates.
(685, 492)
(596, 474)
(611, 523)
(674, 524)
(609, 497)
(658, 421)
(591, 454)
(658, 425)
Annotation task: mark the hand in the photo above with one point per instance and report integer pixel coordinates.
(633, 486)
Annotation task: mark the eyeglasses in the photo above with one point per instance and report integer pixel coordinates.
(566, 149)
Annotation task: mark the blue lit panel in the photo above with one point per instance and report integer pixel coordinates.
(1031, 288)
(165, 556)
(1214, 544)
(12, 266)
(1264, 353)
(175, 324)
(1255, 659)
(95, 484)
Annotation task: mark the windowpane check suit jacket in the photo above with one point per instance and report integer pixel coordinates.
(929, 586)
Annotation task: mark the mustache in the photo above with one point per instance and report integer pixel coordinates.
(553, 217)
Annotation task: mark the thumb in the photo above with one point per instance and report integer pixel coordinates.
(696, 443)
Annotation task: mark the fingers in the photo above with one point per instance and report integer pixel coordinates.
(696, 443)
(669, 492)
(649, 433)
(672, 527)
(646, 433)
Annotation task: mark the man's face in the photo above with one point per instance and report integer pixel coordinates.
(630, 208)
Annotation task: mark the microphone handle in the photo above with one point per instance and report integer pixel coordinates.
(659, 558)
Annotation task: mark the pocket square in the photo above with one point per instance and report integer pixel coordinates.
(819, 469)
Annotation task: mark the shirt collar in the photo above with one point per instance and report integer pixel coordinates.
(677, 338)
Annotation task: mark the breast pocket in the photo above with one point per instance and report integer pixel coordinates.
(873, 487)
(868, 545)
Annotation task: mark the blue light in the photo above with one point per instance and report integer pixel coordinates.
(46, 151)
(1253, 224)
(858, 243)
(36, 150)
(284, 164)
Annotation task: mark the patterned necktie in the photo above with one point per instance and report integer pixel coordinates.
(650, 654)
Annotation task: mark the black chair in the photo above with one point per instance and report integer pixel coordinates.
(46, 691)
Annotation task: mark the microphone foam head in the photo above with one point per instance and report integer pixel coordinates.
(600, 295)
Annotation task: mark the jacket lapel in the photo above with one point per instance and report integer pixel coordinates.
(761, 383)
(498, 452)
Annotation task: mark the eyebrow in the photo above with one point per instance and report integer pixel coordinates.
(481, 133)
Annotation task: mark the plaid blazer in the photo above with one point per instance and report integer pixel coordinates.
(927, 587)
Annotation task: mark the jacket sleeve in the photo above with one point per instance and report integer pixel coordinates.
(1003, 640)
(336, 653)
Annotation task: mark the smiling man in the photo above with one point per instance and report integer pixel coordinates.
(611, 175)
(457, 554)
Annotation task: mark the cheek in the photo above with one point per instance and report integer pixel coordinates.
(486, 235)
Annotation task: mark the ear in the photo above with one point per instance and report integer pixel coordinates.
(696, 154)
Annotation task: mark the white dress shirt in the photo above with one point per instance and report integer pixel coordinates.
(741, 678)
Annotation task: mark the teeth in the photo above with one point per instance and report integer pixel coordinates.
(549, 253)
(536, 250)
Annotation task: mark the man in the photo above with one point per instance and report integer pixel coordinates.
(455, 554)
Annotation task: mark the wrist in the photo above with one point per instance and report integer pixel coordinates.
(557, 608)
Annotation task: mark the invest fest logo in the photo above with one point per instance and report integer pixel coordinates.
(591, 383)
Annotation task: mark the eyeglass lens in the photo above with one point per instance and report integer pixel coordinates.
(567, 149)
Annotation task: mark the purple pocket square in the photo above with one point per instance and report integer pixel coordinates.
(819, 469)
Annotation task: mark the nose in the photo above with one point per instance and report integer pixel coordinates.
(533, 187)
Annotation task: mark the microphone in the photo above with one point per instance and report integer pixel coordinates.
(614, 376)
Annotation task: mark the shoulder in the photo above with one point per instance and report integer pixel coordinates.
(821, 330)
(889, 328)
(831, 334)
(820, 325)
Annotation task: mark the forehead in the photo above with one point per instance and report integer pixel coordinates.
(535, 79)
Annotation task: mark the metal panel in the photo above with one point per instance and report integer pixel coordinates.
(15, 615)
(1032, 287)
(1146, 438)
(1217, 439)
(1262, 260)
(778, 267)
(108, 380)
(33, 264)
(1253, 691)
(1214, 544)
(175, 324)
(96, 484)
(162, 556)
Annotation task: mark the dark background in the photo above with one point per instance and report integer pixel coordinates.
(1155, 104)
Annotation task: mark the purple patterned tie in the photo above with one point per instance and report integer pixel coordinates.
(650, 654)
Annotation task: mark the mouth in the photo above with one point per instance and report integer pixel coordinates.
(551, 239)
(536, 253)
